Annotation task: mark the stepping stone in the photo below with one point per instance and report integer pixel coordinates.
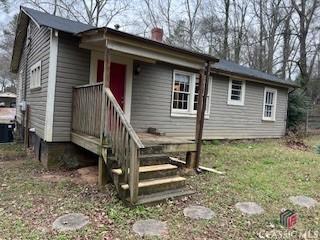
(250, 208)
(303, 201)
(150, 227)
(70, 222)
(198, 212)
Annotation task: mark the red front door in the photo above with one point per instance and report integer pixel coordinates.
(117, 79)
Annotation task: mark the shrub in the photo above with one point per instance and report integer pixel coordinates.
(298, 104)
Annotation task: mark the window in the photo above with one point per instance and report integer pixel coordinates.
(185, 94)
(269, 104)
(35, 76)
(236, 92)
(181, 91)
(196, 94)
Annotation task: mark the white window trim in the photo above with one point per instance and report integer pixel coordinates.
(190, 112)
(33, 67)
(243, 93)
(273, 117)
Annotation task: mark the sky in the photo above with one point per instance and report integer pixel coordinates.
(6, 16)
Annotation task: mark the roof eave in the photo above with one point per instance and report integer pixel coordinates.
(19, 39)
(287, 85)
(205, 57)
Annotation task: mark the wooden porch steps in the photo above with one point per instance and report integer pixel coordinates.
(163, 196)
(97, 118)
(152, 168)
(156, 182)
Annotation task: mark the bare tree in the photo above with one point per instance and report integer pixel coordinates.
(239, 27)
(306, 11)
(226, 29)
(274, 19)
(93, 12)
(286, 50)
(7, 79)
(192, 11)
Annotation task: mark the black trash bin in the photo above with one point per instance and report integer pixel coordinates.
(6, 132)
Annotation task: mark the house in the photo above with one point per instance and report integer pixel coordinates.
(7, 116)
(133, 101)
(8, 99)
(7, 123)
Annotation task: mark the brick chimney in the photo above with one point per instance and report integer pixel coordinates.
(157, 34)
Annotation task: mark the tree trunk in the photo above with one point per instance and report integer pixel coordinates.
(225, 54)
(286, 46)
(261, 57)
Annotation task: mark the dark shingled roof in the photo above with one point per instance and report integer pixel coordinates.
(58, 23)
(223, 66)
(234, 68)
(69, 26)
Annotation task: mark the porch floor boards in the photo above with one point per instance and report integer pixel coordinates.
(149, 139)
(92, 143)
(88, 142)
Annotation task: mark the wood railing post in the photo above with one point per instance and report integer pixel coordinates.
(134, 173)
(192, 159)
(200, 116)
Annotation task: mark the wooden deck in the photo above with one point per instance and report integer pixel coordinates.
(168, 144)
(149, 139)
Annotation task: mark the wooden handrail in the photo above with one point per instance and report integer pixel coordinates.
(97, 113)
(88, 85)
(124, 120)
(124, 141)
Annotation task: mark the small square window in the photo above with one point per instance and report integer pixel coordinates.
(35, 75)
(236, 92)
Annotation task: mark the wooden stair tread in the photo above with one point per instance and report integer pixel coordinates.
(153, 155)
(161, 196)
(151, 168)
(154, 182)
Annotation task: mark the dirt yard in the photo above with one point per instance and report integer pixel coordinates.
(267, 172)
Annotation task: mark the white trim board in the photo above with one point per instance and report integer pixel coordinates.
(190, 112)
(274, 110)
(30, 17)
(48, 131)
(97, 55)
(242, 93)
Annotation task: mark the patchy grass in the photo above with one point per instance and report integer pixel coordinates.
(267, 172)
(11, 151)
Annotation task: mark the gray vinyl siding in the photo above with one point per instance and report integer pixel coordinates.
(36, 98)
(73, 68)
(151, 107)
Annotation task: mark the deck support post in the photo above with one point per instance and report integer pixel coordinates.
(190, 160)
(202, 103)
(26, 126)
(102, 177)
